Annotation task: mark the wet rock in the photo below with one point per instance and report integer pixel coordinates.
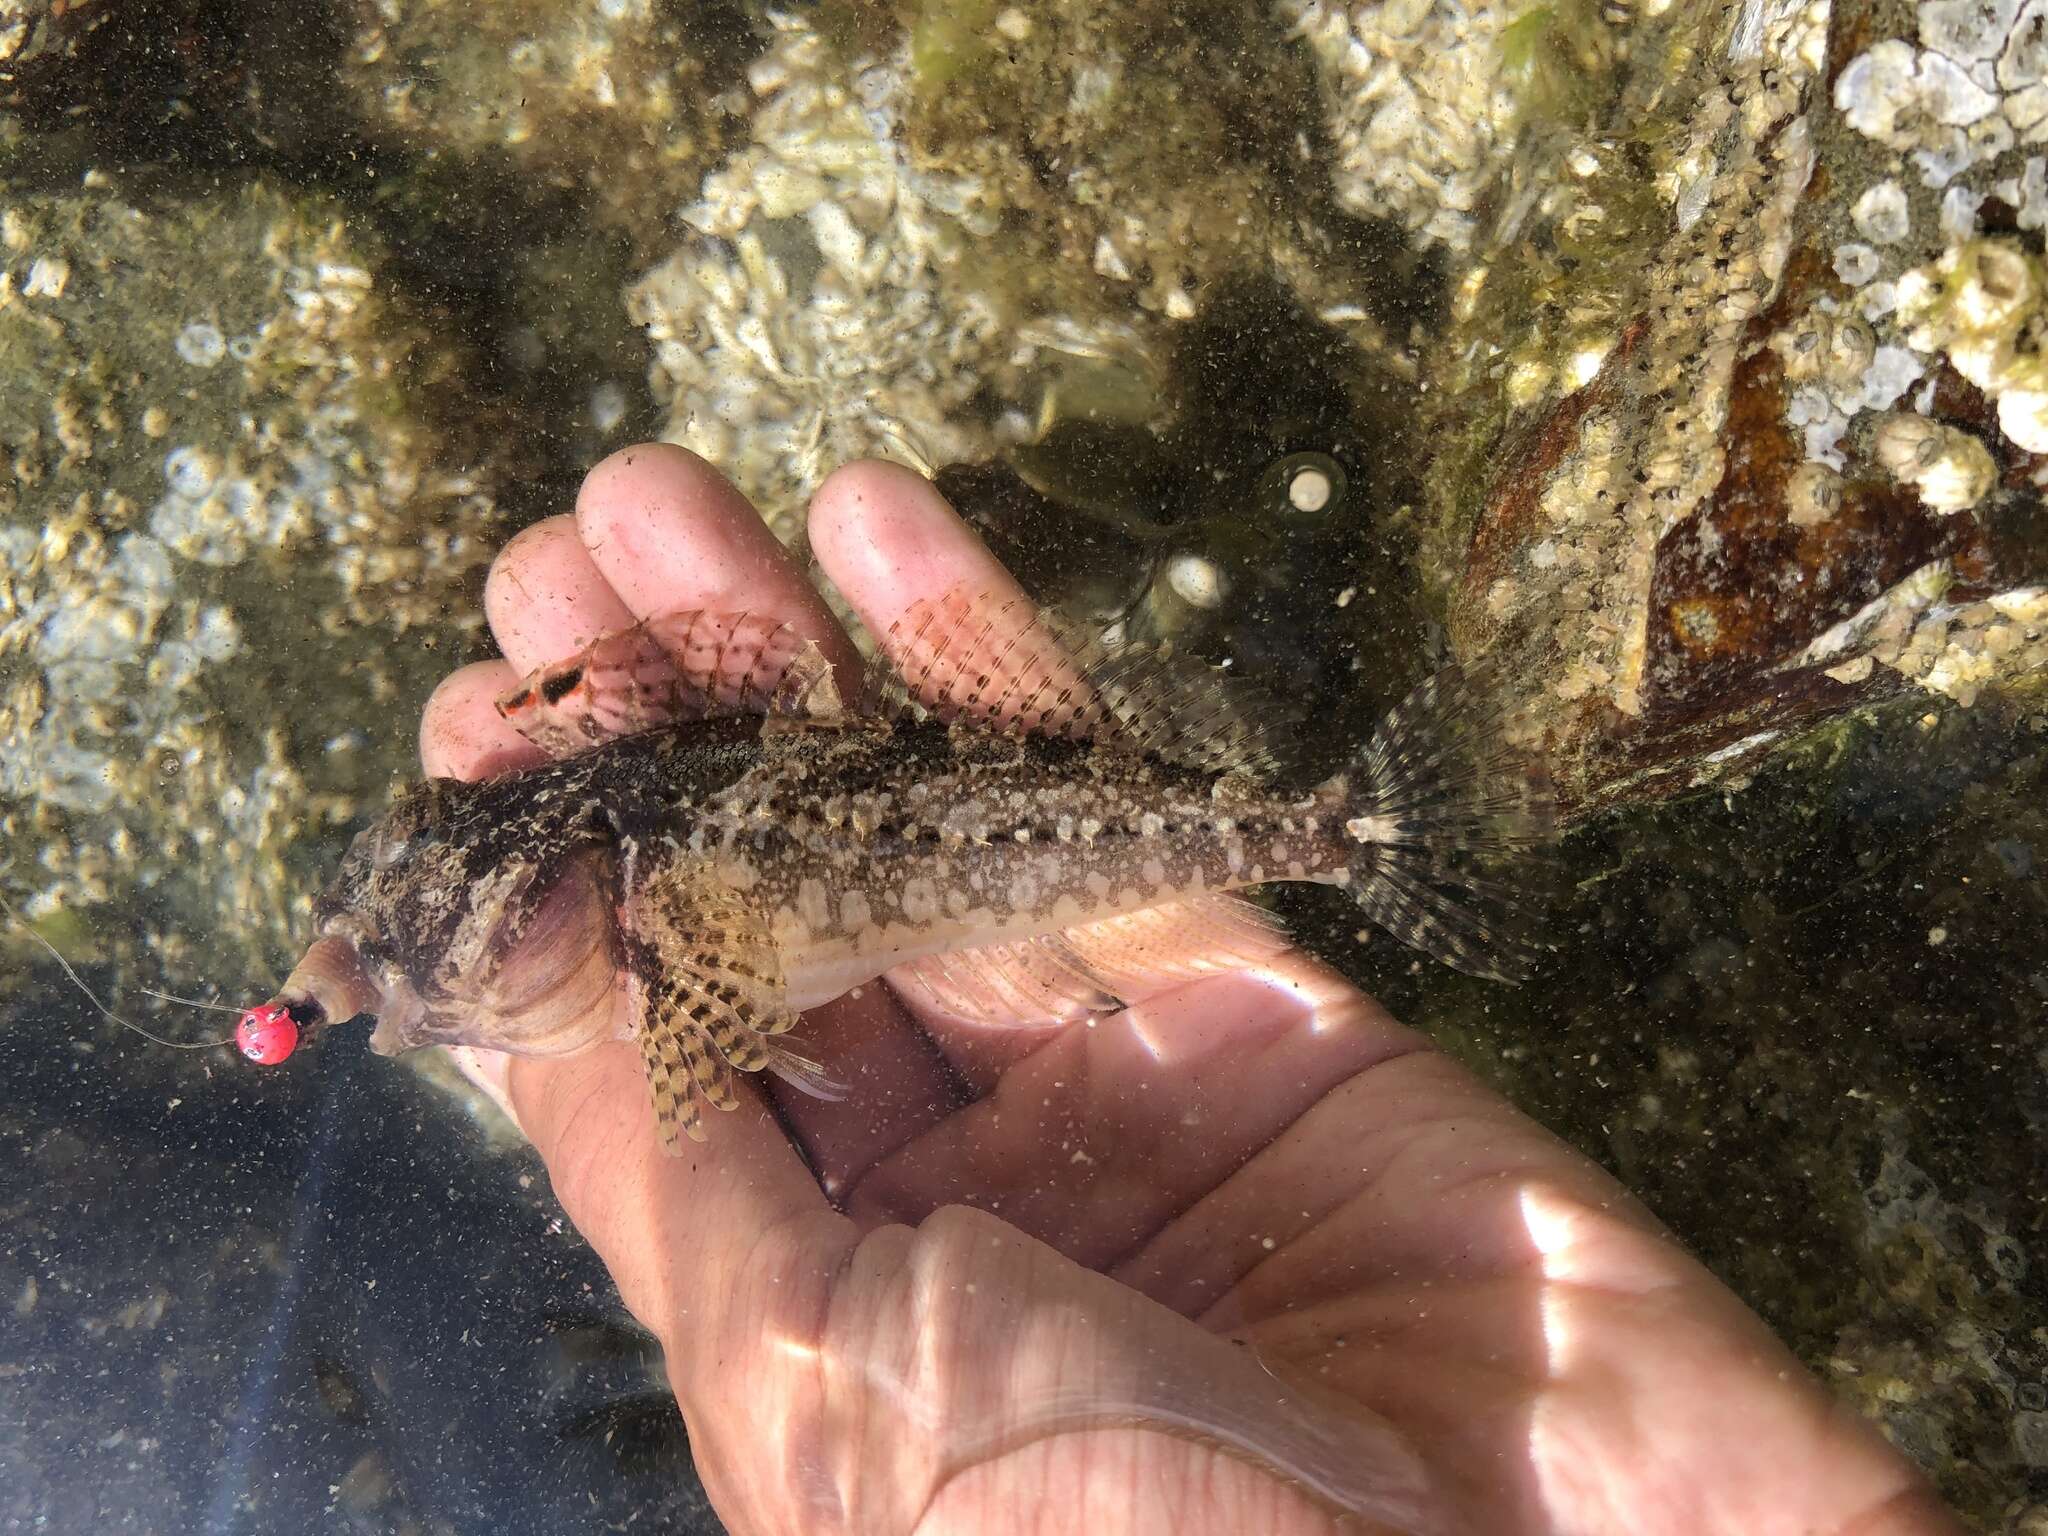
(39, 38)
(942, 240)
(619, 103)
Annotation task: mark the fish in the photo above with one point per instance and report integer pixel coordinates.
(1020, 822)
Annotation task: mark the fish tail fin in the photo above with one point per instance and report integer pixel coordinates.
(1440, 804)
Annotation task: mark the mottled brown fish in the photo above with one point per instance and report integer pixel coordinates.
(1026, 829)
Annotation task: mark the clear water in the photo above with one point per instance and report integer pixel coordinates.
(312, 309)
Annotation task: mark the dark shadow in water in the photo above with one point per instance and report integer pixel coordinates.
(300, 1301)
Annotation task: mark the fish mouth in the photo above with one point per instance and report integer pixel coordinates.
(331, 984)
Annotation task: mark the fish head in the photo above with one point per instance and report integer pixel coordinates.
(456, 925)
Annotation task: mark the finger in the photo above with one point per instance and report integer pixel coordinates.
(546, 599)
(898, 1086)
(886, 537)
(979, 1051)
(673, 1231)
(1100, 1139)
(1330, 1207)
(668, 532)
(462, 736)
(915, 1391)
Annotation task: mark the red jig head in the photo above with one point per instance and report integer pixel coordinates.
(267, 1035)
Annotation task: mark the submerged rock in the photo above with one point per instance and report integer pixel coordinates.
(1725, 383)
(614, 102)
(240, 467)
(942, 240)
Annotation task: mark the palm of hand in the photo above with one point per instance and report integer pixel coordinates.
(1251, 1225)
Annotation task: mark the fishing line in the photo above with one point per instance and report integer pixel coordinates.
(106, 1012)
(189, 1002)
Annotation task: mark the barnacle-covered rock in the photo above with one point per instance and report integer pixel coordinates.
(890, 266)
(240, 469)
(613, 101)
(812, 317)
(1417, 100)
(1735, 469)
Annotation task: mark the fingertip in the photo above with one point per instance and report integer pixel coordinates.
(648, 477)
(887, 538)
(669, 532)
(659, 521)
(462, 735)
(546, 599)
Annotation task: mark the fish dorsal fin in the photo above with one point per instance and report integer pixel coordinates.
(1095, 967)
(689, 665)
(1002, 662)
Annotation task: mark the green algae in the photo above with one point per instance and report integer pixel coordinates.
(950, 40)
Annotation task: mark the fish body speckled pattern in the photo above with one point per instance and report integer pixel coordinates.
(1024, 824)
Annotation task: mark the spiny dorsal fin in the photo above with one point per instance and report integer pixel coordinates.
(689, 665)
(1004, 663)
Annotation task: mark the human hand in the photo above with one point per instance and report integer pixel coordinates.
(1247, 1256)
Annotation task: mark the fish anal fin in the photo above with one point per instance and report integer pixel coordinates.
(689, 665)
(1027, 982)
(1058, 977)
(996, 659)
(708, 998)
(1140, 954)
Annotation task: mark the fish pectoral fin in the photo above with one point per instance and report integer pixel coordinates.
(1001, 662)
(692, 664)
(708, 999)
(1096, 967)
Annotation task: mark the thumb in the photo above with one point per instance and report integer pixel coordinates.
(960, 1375)
(671, 1229)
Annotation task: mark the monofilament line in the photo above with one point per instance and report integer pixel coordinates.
(106, 1012)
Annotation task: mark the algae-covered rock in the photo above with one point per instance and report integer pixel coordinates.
(1720, 450)
(248, 503)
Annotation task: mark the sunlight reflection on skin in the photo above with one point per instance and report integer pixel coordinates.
(1354, 1463)
(1168, 1040)
(1579, 1251)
